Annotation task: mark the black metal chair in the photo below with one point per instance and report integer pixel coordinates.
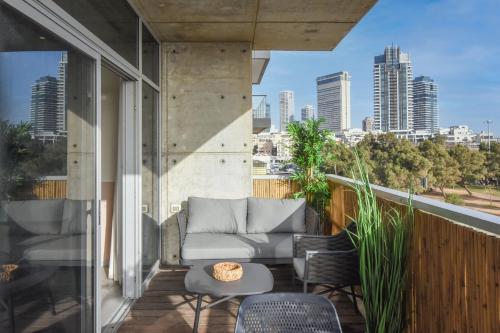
(331, 261)
(287, 313)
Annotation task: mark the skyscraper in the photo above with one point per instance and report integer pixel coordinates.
(425, 104)
(393, 91)
(334, 101)
(307, 112)
(61, 93)
(287, 108)
(44, 106)
(368, 124)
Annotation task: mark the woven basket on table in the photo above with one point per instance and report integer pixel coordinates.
(227, 271)
(7, 272)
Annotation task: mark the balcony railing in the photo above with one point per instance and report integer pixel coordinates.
(454, 281)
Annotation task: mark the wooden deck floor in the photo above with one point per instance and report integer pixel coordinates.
(167, 307)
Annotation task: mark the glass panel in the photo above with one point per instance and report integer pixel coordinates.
(150, 50)
(111, 189)
(149, 178)
(47, 180)
(114, 22)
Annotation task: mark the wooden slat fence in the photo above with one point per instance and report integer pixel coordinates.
(454, 281)
(50, 189)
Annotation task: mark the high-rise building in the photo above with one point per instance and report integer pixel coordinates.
(268, 110)
(368, 124)
(44, 106)
(61, 94)
(425, 104)
(393, 91)
(334, 101)
(307, 112)
(287, 108)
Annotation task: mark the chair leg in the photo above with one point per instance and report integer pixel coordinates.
(305, 286)
(354, 300)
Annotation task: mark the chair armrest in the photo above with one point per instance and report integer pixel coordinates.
(182, 221)
(303, 243)
(312, 221)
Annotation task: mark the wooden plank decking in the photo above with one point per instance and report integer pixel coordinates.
(167, 307)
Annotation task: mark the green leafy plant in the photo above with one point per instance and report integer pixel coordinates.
(308, 154)
(382, 239)
(454, 199)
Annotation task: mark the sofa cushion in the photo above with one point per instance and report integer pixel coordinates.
(74, 217)
(242, 246)
(272, 215)
(42, 217)
(68, 250)
(216, 215)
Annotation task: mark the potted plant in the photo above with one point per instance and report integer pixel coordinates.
(308, 154)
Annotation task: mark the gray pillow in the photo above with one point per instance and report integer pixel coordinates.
(42, 217)
(217, 215)
(275, 215)
(74, 218)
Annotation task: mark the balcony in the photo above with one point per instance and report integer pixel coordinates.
(453, 283)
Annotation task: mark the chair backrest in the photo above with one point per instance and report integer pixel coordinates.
(340, 268)
(287, 312)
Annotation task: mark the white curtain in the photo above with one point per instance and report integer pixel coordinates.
(115, 260)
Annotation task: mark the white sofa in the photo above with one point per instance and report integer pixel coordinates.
(51, 232)
(250, 229)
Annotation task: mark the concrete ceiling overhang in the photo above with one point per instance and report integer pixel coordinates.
(267, 24)
(260, 59)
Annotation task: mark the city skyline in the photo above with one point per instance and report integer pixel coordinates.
(442, 55)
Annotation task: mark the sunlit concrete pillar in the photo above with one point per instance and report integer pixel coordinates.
(207, 127)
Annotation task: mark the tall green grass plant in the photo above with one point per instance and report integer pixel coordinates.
(382, 239)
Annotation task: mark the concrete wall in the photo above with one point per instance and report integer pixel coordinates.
(207, 127)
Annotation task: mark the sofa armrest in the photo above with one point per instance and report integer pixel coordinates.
(312, 221)
(182, 221)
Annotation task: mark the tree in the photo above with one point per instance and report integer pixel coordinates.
(472, 165)
(492, 161)
(16, 154)
(307, 149)
(444, 170)
(342, 163)
(395, 163)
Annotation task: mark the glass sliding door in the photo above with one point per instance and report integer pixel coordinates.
(47, 180)
(150, 226)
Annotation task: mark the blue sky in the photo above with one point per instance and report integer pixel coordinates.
(456, 42)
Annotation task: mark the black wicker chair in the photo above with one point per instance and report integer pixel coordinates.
(327, 260)
(287, 313)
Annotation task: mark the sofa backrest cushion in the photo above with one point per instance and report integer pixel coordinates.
(41, 217)
(216, 215)
(275, 215)
(74, 217)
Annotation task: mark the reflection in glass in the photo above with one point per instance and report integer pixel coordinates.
(114, 22)
(47, 180)
(149, 178)
(150, 56)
